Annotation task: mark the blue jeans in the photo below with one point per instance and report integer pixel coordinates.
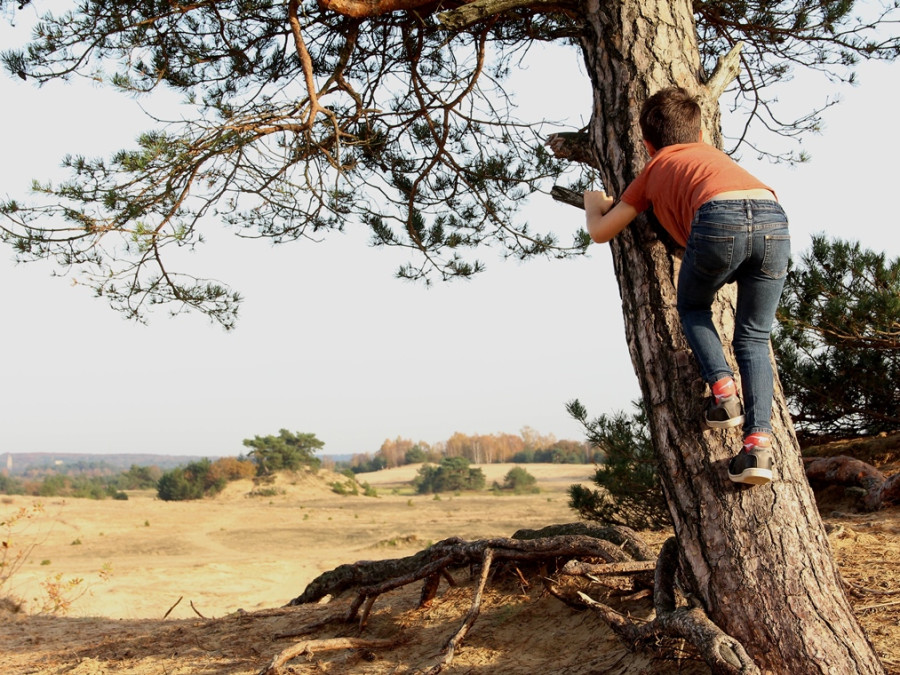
(745, 241)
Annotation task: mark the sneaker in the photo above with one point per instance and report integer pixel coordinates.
(724, 413)
(753, 464)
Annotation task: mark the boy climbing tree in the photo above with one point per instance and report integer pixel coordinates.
(734, 230)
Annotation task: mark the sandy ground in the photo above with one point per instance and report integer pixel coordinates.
(200, 587)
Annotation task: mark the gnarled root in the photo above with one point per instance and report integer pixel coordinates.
(722, 653)
(611, 556)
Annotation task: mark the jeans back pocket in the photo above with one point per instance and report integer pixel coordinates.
(777, 255)
(712, 254)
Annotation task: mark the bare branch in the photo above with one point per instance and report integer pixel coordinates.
(727, 69)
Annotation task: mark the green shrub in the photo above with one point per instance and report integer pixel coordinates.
(346, 487)
(194, 481)
(630, 493)
(452, 474)
(518, 480)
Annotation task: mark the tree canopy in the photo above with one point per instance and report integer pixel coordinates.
(287, 450)
(305, 118)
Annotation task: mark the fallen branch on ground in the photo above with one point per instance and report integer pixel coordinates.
(880, 491)
(312, 646)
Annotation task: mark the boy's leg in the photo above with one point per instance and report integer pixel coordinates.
(708, 264)
(760, 283)
(696, 292)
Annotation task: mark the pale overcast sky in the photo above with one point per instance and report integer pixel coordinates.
(328, 342)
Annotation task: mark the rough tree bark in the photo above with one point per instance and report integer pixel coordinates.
(756, 558)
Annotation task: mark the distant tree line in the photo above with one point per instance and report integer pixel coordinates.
(93, 482)
(525, 448)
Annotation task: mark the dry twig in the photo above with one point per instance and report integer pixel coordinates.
(166, 615)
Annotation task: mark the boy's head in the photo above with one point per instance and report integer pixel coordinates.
(669, 117)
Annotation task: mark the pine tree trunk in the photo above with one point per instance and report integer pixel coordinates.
(757, 558)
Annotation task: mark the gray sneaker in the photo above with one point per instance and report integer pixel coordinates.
(725, 414)
(752, 465)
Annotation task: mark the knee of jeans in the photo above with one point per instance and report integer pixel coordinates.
(750, 336)
(685, 307)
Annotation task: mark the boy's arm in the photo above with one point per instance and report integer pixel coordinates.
(605, 221)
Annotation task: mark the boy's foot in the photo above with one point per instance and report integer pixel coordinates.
(753, 465)
(724, 413)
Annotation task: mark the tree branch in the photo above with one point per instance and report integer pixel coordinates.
(478, 10)
(312, 646)
(363, 9)
(472, 615)
(574, 146)
(727, 69)
(567, 196)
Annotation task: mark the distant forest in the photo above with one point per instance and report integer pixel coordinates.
(527, 447)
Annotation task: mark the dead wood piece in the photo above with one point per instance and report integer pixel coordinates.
(567, 196)
(878, 606)
(574, 147)
(727, 69)
(581, 568)
(859, 590)
(312, 646)
(850, 472)
(611, 575)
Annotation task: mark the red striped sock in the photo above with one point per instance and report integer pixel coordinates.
(757, 439)
(724, 388)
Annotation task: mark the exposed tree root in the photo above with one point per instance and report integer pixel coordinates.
(722, 653)
(614, 557)
(457, 639)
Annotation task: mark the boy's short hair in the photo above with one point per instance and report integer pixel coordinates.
(669, 117)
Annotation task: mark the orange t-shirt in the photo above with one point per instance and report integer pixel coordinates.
(679, 179)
